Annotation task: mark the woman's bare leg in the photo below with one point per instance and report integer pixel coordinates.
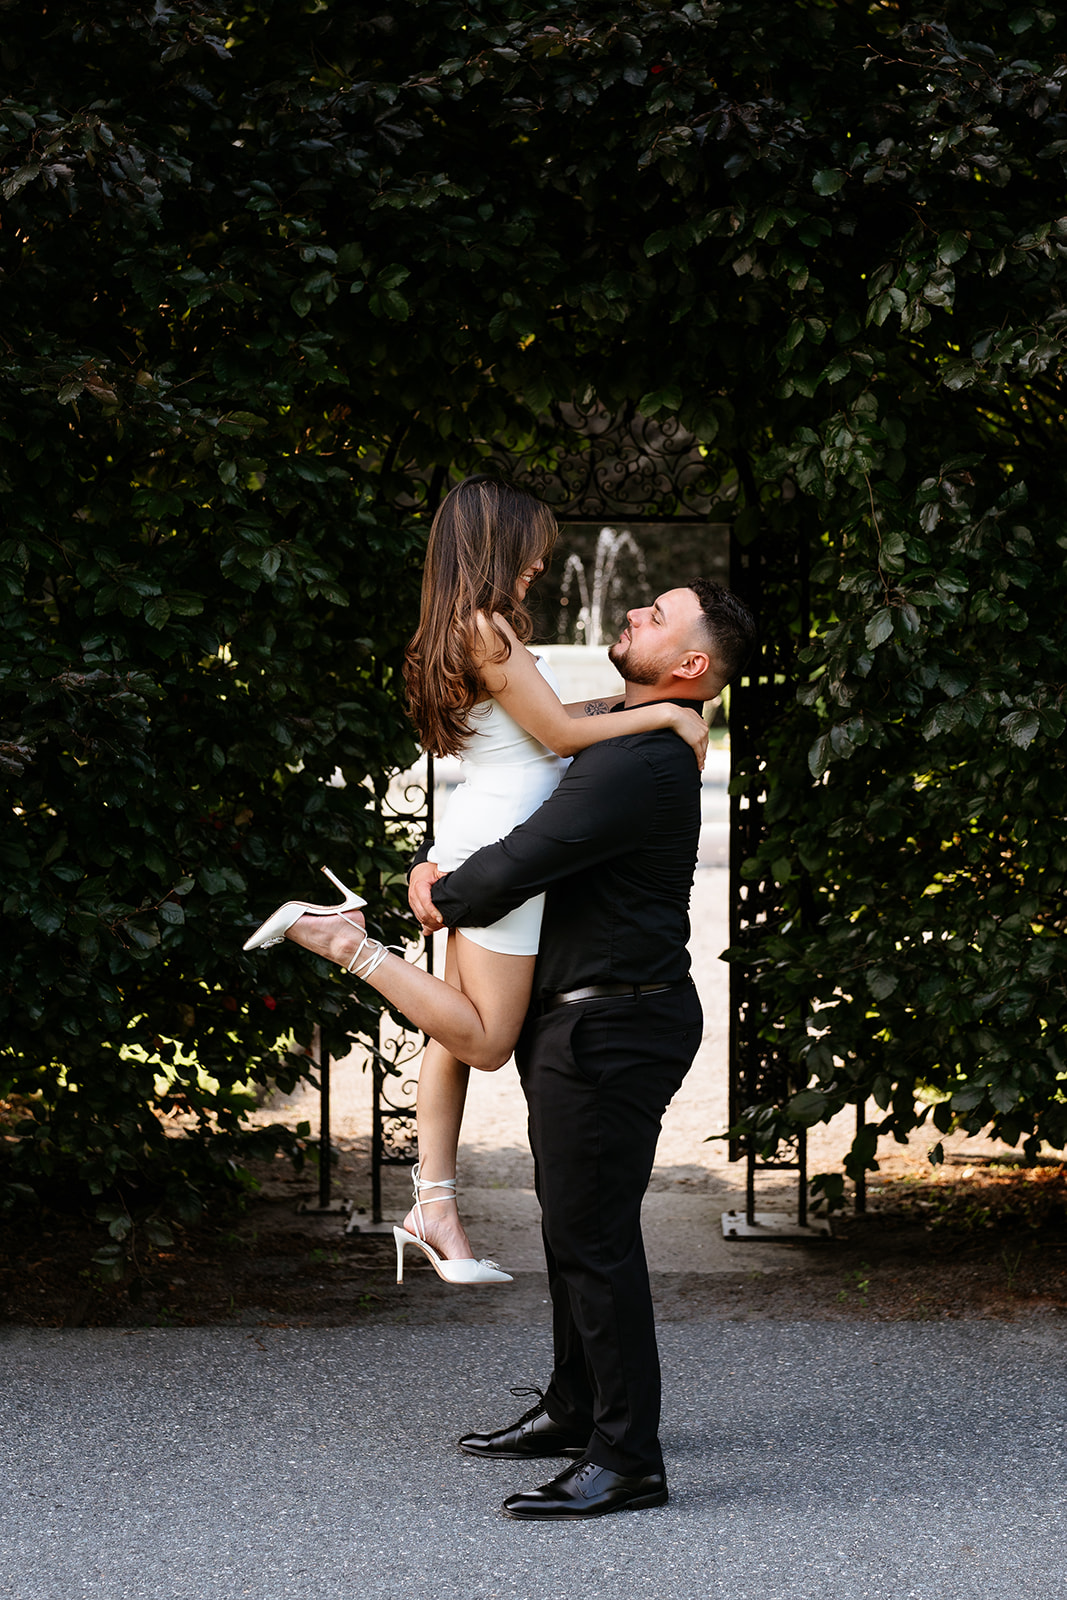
(477, 1022)
(442, 1092)
(442, 1095)
(473, 1014)
(443, 1087)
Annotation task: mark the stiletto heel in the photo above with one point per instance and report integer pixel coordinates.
(335, 880)
(466, 1270)
(277, 925)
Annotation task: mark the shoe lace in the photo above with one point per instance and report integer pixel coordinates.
(524, 1393)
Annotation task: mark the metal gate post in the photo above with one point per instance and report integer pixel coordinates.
(326, 1206)
(769, 572)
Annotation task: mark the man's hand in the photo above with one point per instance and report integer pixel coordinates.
(422, 880)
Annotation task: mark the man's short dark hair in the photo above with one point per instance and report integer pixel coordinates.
(731, 627)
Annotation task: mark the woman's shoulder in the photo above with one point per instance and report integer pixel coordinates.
(489, 624)
(489, 631)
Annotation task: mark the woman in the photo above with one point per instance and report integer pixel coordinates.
(474, 690)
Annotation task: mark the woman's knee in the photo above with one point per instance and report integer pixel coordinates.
(490, 1058)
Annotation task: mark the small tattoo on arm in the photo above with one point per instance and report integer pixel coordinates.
(596, 708)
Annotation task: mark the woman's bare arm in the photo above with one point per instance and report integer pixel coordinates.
(524, 695)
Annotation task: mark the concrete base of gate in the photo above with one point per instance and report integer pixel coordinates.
(332, 1208)
(772, 1227)
(358, 1224)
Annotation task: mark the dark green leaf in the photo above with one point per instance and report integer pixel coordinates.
(880, 628)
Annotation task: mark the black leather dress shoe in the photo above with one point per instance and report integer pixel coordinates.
(534, 1435)
(587, 1490)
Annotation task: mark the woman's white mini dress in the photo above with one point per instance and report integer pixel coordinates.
(507, 773)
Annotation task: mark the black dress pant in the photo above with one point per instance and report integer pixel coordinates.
(598, 1077)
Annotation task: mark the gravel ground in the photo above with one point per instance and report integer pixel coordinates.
(804, 1461)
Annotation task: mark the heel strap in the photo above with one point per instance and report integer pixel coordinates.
(432, 1183)
(363, 966)
(419, 1183)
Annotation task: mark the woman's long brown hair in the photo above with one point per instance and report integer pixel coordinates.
(484, 536)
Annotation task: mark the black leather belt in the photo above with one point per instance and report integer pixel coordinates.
(607, 991)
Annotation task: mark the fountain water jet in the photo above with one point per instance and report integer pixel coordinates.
(589, 628)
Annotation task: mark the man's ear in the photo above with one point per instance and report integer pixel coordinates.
(694, 664)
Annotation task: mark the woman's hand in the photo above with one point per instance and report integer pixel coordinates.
(423, 877)
(690, 726)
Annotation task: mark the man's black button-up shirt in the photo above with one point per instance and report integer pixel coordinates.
(614, 848)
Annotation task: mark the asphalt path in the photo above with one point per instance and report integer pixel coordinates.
(804, 1460)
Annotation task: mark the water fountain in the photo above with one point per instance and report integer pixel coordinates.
(590, 629)
(580, 660)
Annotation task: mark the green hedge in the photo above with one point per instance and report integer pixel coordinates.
(204, 606)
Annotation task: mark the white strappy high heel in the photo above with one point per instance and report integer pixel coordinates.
(466, 1270)
(277, 925)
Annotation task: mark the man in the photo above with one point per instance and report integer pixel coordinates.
(613, 1027)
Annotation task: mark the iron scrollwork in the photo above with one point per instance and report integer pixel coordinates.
(395, 1133)
(591, 464)
(407, 803)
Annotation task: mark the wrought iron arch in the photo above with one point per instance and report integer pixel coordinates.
(593, 465)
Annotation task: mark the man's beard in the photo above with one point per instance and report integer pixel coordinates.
(633, 671)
